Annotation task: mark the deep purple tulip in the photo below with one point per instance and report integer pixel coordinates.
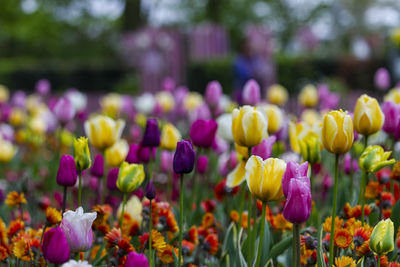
(145, 154)
(264, 149)
(202, 132)
(150, 191)
(251, 93)
(151, 136)
(134, 259)
(382, 79)
(184, 157)
(392, 117)
(213, 93)
(133, 154)
(293, 171)
(202, 164)
(55, 246)
(112, 178)
(64, 110)
(97, 168)
(298, 200)
(66, 174)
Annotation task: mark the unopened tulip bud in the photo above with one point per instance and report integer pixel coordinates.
(251, 93)
(66, 174)
(202, 132)
(151, 136)
(308, 96)
(337, 132)
(150, 191)
(184, 157)
(55, 246)
(310, 149)
(202, 164)
(130, 177)
(169, 137)
(112, 178)
(368, 116)
(382, 238)
(64, 110)
(81, 154)
(382, 79)
(97, 168)
(375, 158)
(213, 93)
(277, 94)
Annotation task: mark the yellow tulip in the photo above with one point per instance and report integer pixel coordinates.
(368, 116)
(310, 149)
(134, 208)
(310, 116)
(249, 126)
(337, 132)
(130, 177)
(103, 131)
(4, 94)
(381, 240)
(117, 153)
(17, 117)
(308, 96)
(82, 153)
(37, 124)
(264, 178)
(301, 130)
(375, 158)
(277, 95)
(275, 117)
(165, 100)
(169, 137)
(7, 150)
(192, 101)
(238, 175)
(111, 104)
(393, 95)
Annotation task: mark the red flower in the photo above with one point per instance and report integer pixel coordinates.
(211, 244)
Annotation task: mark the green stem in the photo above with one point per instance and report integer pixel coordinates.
(249, 214)
(379, 260)
(261, 238)
(335, 186)
(80, 190)
(254, 232)
(121, 218)
(64, 200)
(362, 194)
(241, 207)
(180, 219)
(150, 228)
(296, 244)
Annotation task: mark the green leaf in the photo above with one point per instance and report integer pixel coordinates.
(98, 254)
(265, 256)
(373, 217)
(279, 248)
(227, 235)
(242, 261)
(320, 250)
(175, 258)
(395, 216)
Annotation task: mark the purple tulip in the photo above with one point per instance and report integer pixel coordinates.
(328, 100)
(202, 164)
(19, 99)
(135, 259)
(219, 145)
(382, 79)
(347, 163)
(145, 154)
(293, 171)
(184, 157)
(150, 190)
(298, 200)
(112, 178)
(64, 110)
(202, 132)
(213, 93)
(55, 246)
(251, 93)
(166, 161)
(66, 174)
(200, 113)
(133, 154)
(168, 84)
(264, 149)
(97, 168)
(93, 183)
(392, 117)
(43, 86)
(151, 136)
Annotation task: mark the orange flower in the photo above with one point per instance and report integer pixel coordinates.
(103, 213)
(395, 174)
(344, 261)
(192, 235)
(125, 245)
(234, 215)
(372, 190)
(3, 233)
(187, 248)
(14, 227)
(53, 216)
(328, 221)
(343, 238)
(157, 240)
(355, 212)
(113, 237)
(3, 252)
(384, 260)
(305, 255)
(352, 224)
(208, 220)
(169, 219)
(211, 244)
(394, 264)
(15, 199)
(22, 251)
(279, 222)
(95, 250)
(166, 256)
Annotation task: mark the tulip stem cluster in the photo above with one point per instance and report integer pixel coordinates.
(261, 237)
(335, 185)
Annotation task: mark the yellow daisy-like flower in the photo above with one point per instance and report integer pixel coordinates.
(167, 255)
(280, 223)
(21, 250)
(343, 238)
(53, 216)
(157, 240)
(15, 199)
(345, 261)
(328, 221)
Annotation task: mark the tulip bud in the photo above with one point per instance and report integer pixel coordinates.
(251, 93)
(103, 131)
(264, 178)
(213, 93)
(64, 110)
(264, 149)
(275, 117)
(97, 168)
(117, 153)
(293, 171)
(130, 177)
(249, 126)
(308, 96)
(337, 132)
(77, 227)
(382, 79)
(133, 154)
(169, 137)
(310, 149)
(150, 190)
(368, 116)
(184, 157)
(151, 136)
(277, 95)
(225, 127)
(66, 174)
(202, 164)
(381, 240)
(55, 246)
(202, 132)
(391, 111)
(112, 178)
(81, 154)
(375, 158)
(298, 203)
(135, 259)
(145, 154)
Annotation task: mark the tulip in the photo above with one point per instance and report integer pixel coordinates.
(145, 103)
(391, 112)
(213, 93)
(81, 154)
(201, 112)
(111, 104)
(225, 127)
(251, 93)
(368, 116)
(133, 154)
(151, 136)
(381, 240)
(130, 177)
(374, 158)
(43, 86)
(337, 132)
(66, 174)
(64, 110)
(202, 132)
(382, 79)
(165, 100)
(78, 99)
(298, 200)
(202, 164)
(238, 175)
(293, 170)
(249, 126)
(166, 159)
(7, 150)
(55, 246)
(264, 149)
(77, 227)
(393, 96)
(169, 137)
(117, 153)
(135, 259)
(112, 178)
(277, 94)
(184, 157)
(103, 131)
(150, 191)
(264, 178)
(97, 168)
(275, 117)
(310, 149)
(192, 101)
(308, 96)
